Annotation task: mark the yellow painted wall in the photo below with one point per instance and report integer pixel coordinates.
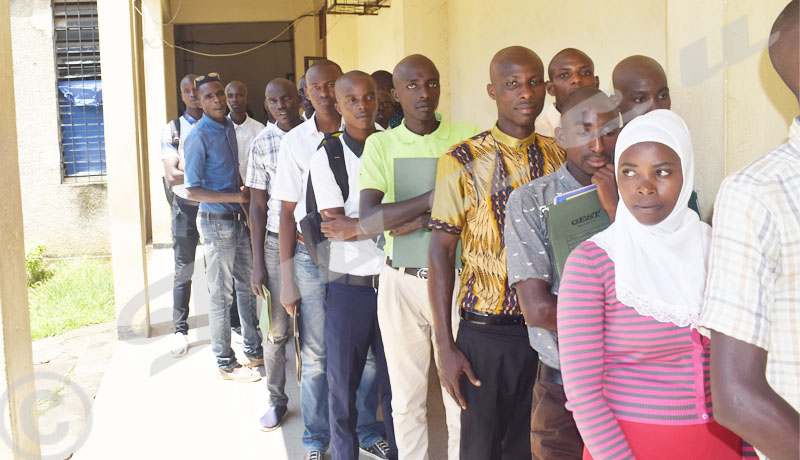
(736, 111)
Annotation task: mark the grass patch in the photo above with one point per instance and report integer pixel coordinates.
(80, 292)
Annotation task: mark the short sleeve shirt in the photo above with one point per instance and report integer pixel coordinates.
(528, 252)
(168, 149)
(381, 149)
(245, 133)
(261, 168)
(296, 151)
(211, 161)
(473, 182)
(362, 257)
(753, 287)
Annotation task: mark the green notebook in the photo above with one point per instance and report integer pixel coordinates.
(571, 222)
(413, 177)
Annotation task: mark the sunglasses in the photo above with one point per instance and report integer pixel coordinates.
(202, 79)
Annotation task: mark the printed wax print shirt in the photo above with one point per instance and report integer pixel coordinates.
(381, 149)
(473, 182)
(528, 251)
(363, 257)
(620, 365)
(245, 133)
(261, 168)
(211, 161)
(753, 288)
(168, 149)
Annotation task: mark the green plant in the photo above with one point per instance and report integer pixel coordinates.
(37, 269)
(79, 293)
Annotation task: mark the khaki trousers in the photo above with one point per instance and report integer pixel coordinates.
(406, 322)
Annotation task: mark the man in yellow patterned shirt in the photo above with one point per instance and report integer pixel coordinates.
(474, 180)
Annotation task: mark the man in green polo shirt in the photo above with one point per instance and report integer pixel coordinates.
(404, 313)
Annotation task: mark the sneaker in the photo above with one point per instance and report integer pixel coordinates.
(236, 335)
(253, 362)
(273, 418)
(179, 345)
(379, 450)
(314, 455)
(240, 374)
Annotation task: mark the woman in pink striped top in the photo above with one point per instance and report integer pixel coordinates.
(635, 368)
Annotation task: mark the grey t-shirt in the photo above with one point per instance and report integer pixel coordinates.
(527, 248)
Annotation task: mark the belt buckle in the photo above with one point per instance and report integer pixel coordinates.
(422, 274)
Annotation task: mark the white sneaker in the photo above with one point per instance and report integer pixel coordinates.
(179, 345)
(240, 374)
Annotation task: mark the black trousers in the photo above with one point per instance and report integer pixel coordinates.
(184, 245)
(351, 328)
(496, 424)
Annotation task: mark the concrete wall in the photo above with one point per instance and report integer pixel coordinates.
(719, 73)
(68, 218)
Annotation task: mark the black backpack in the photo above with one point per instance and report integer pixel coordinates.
(319, 247)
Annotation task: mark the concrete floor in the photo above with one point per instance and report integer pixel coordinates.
(151, 405)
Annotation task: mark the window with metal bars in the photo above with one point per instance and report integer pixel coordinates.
(80, 91)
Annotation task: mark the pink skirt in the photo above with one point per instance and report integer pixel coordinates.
(687, 442)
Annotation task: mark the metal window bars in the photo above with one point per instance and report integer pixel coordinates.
(80, 93)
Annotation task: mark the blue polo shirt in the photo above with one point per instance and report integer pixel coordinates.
(212, 161)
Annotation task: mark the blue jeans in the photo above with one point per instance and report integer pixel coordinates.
(228, 257)
(314, 382)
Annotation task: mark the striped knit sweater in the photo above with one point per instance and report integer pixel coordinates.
(620, 365)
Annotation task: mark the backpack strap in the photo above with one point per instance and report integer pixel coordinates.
(333, 148)
(176, 132)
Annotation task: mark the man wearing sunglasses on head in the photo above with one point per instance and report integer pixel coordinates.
(212, 178)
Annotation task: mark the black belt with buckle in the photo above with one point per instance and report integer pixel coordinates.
(492, 320)
(421, 273)
(548, 374)
(231, 215)
(354, 280)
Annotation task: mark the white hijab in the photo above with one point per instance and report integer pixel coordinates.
(661, 268)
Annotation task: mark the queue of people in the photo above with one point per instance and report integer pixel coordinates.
(663, 337)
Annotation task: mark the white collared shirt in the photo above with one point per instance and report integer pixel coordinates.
(360, 258)
(548, 121)
(261, 169)
(168, 150)
(245, 133)
(296, 151)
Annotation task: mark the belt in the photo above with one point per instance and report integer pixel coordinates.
(186, 202)
(230, 215)
(354, 280)
(421, 273)
(300, 238)
(548, 374)
(272, 234)
(492, 320)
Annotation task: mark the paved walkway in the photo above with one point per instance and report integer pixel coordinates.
(151, 405)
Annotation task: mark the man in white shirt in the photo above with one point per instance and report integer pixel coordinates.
(283, 103)
(351, 305)
(246, 128)
(184, 213)
(569, 70)
(302, 281)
